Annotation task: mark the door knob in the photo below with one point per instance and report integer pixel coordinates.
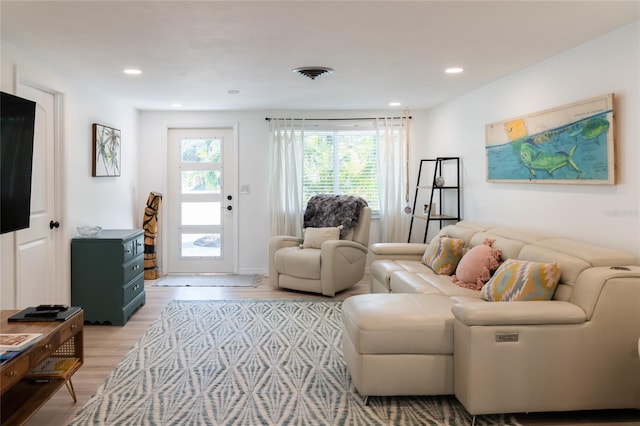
(53, 224)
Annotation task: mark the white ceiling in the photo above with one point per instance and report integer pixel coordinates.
(194, 52)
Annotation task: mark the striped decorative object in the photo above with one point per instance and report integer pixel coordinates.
(522, 280)
(249, 362)
(443, 255)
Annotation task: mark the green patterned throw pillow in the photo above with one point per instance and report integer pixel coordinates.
(522, 280)
(443, 255)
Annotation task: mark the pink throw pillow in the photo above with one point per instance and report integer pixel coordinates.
(477, 265)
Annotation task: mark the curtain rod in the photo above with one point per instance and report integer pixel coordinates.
(333, 119)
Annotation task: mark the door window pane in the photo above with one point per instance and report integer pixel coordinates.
(201, 213)
(200, 245)
(201, 182)
(201, 150)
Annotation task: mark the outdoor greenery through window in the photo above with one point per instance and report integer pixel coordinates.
(341, 162)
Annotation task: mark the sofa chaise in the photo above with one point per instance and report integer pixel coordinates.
(419, 333)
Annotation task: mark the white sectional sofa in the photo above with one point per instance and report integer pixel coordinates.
(418, 333)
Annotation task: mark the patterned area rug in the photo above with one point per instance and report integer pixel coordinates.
(210, 280)
(251, 363)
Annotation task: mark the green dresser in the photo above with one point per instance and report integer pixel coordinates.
(107, 275)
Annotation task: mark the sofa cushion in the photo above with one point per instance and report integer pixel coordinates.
(443, 255)
(413, 283)
(570, 266)
(528, 236)
(298, 263)
(381, 270)
(456, 231)
(414, 266)
(522, 280)
(594, 255)
(428, 283)
(510, 248)
(443, 284)
(314, 237)
(399, 323)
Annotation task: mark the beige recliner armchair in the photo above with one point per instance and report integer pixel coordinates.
(335, 266)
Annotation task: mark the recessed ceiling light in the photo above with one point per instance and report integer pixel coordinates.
(395, 103)
(176, 105)
(454, 70)
(132, 71)
(233, 92)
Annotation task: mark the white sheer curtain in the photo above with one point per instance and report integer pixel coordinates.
(393, 140)
(286, 176)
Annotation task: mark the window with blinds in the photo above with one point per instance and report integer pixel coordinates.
(341, 162)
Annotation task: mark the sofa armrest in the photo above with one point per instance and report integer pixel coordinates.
(276, 243)
(334, 244)
(342, 264)
(592, 283)
(285, 241)
(518, 313)
(397, 251)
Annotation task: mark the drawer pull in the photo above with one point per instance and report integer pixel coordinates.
(74, 326)
(47, 346)
(13, 373)
(136, 267)
(128, 251)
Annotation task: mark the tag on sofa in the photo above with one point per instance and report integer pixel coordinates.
(506, 337)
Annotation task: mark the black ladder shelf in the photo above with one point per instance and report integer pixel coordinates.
(446, 209)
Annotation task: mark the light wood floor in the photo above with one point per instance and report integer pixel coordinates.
(104, 347)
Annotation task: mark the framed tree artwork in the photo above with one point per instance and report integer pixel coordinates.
(571, 144)
(107, 153)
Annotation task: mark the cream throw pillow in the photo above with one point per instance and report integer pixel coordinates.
(314, 237)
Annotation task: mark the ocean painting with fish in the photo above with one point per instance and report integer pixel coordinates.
(572, 144)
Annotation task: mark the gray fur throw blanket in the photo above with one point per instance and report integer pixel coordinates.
(327, 210)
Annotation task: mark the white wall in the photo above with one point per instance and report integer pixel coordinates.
(108, 202)
(601, 214)
(253, 156)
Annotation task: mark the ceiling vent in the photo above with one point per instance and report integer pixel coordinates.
(313, 72)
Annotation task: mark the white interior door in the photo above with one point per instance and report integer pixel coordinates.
(200, 203)
(37, 279)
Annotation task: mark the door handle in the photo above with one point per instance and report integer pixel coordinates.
(53, 224)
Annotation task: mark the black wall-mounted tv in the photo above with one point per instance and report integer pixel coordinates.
(17, 121)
